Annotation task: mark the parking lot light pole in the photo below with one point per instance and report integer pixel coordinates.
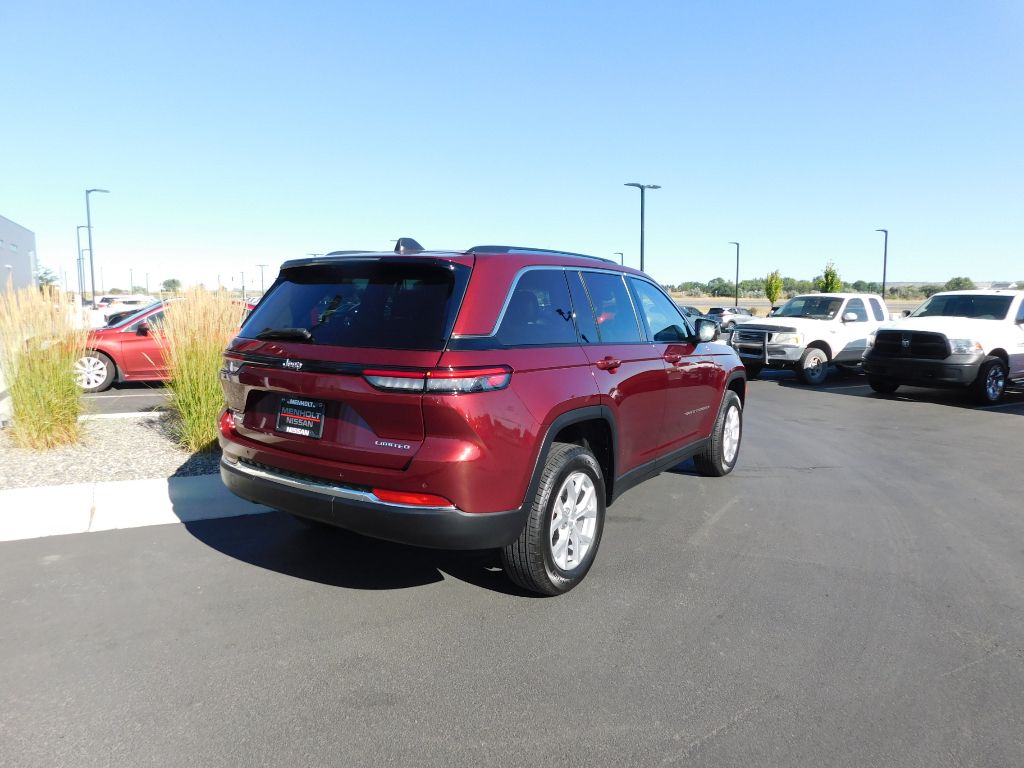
(885, 258)
(643, 188)
(737, 271)
(621, 257)
(261, 266)
(80, 260)
(88, 224)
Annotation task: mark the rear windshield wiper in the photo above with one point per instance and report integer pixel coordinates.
(285, 334)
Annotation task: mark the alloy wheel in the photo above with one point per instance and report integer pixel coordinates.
(573, 521)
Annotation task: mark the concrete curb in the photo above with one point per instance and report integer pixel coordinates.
(55, 510)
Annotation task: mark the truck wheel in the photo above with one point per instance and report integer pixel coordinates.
(560, 539)
(753, 369)
(883, 387)
(813, 366)
(988, 388)
(719, 457)
(94, 372)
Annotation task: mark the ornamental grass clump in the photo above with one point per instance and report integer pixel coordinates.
(41, 338)
(196, 330)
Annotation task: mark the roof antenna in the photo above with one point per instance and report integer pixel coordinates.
(407, 245)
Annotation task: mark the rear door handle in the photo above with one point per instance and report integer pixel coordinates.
(670, 358)
(608, 364)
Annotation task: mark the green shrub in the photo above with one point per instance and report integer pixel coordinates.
(40, 341)
(195, 332)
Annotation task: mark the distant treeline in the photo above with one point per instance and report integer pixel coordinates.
(755, 288)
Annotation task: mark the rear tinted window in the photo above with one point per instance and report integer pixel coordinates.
(980, 307)
(616, 321)
(539, 311)
(379, 304)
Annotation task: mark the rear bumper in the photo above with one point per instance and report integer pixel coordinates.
(360, 511)
(954, 371)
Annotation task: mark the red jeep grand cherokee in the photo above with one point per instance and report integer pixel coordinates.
(493, 398)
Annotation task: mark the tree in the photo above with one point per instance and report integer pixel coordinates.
(171, 285)
(829, 282)
(959, 284)
(139, 289)
(46, 277)
(773, 287)
(928, 290)
(721, 287)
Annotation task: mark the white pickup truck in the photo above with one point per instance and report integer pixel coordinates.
(808, 332)
(968, 339)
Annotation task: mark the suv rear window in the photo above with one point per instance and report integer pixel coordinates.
(981, 307)
(382, 304)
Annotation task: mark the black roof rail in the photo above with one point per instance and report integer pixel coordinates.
(514, 249)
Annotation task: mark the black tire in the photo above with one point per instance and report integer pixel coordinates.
(813, 366)
(990, 383)
(721, 453)
(883, 387)
(94, 371)
(529, 561)
(753, 369)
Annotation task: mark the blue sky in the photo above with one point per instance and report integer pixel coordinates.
(233, 134)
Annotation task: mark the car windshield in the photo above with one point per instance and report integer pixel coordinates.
(391, 305)
(813, 307)
(977, 306)
(135, 315)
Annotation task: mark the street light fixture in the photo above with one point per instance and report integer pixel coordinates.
(885, 258)
(88, 224)
(619, 254)
(643, 188)
(737, 271)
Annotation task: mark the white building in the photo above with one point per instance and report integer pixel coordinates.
(17, 255)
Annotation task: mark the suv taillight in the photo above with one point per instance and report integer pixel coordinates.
(441, 381)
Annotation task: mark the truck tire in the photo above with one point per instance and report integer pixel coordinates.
(990, 384)
(560, 539)
(719, 457)
(813, 366)
(883, 387)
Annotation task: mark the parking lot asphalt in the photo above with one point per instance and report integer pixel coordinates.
(852, 595)
(130, 397)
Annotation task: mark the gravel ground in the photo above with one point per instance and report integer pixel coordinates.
(111, 449)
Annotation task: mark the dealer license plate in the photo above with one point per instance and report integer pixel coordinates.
(298, 416)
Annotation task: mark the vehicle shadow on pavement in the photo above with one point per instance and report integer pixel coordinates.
(278, 542)
(856, 385)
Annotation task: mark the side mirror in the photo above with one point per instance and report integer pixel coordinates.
(905, 313)
(850, 317)
(142, 329)
(707, 330)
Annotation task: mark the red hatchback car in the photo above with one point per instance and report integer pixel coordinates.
(493, 398)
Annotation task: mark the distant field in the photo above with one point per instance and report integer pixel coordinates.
(761, 306)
